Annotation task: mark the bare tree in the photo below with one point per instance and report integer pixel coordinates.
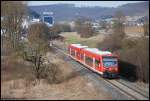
(118, 26)
(118, 30)
(103, 24)
(120, 16)
(146, 28)
(87, 30)
(38, 35)
(12, 13)
(84, 27)
(78, 24)
(136, 52)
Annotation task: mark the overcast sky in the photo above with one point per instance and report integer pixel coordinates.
(83, 3)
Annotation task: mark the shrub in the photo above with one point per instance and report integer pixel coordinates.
(127, 70)
(134, 56)
(137, 53)
(111, 43)
(52, 73)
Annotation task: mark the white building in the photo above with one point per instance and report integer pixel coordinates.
(27, 22)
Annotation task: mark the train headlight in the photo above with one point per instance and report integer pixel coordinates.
(116, 69)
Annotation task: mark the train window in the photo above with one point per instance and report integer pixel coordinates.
(78, 54)
(97, 63)
(82, 56)
(72, 52)
(89, 61)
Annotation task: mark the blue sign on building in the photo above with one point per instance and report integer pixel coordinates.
(48, 18)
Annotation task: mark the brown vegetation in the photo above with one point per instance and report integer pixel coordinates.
(56, 29)
(84, 28)
(134, 57)
(37, 46)
(146, 28)
(11, 24)
(134, 29)
(19, 83)
(134, 53)
(114, 41)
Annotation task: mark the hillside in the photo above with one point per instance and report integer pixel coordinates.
(33, 13)
(133, 9)
(70, 12)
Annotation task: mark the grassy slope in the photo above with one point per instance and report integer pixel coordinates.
(73, 37)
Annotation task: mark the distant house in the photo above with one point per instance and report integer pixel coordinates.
(28, 21)
(25, 23)
(96, 26)
(134, 20)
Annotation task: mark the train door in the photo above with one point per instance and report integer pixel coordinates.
(81, 57)
(72, 52)
(93, 62)
(97, 64)
(78, 55)
(101, 65)
(89, 61)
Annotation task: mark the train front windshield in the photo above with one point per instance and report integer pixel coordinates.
(109, 61)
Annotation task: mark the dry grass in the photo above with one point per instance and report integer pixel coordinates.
(134, 29)
(12, 69)
(73, 37)
(64, 91)
(73, 85)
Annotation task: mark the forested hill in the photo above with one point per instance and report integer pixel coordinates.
(71, 12)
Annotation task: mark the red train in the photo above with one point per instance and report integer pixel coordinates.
(102, 62)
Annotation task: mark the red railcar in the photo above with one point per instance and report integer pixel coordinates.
(102, 62)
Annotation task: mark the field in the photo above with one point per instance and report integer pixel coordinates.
(73, 37)
(134, 29)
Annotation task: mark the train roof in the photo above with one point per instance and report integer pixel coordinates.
(79, 46)
(97, 51)
(75, 44)
(93, 50)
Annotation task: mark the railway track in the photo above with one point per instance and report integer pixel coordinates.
(134, 94)
(137, 89)
(130, 92)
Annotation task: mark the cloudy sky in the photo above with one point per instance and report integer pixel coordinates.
(83, 3)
